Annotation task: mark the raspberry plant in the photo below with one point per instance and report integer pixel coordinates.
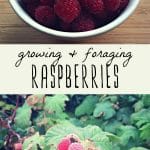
(66, 122)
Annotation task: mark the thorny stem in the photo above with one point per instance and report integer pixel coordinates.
(7, 124)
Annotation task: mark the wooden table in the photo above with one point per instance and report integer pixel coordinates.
(135, 30)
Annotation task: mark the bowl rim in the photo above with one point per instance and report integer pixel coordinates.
(73, 35)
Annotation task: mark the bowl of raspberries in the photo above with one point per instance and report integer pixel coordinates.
(74, 18)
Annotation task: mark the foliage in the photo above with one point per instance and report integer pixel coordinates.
(107, 122)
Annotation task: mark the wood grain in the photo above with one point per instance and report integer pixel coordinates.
(135, 30)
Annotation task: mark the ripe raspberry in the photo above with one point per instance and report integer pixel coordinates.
(123, 4)
(18, 146)
(83, 23)
(47, 2)
(112, 5)
(95, 6)
(67, 10)
(75, 146)
(64, 144)
(45, 15)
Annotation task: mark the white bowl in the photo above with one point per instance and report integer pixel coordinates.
(120, 19)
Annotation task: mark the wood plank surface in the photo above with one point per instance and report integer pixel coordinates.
(135, 30)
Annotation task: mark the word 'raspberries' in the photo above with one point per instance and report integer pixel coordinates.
(74, 15)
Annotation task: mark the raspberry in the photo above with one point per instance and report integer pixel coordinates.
(18, 146)
(112, 5)
(67, 10)
(64, 144)
(47, 2)
(95, 6)
(75, 146)
(83, 23)
(74, 15)
(123, 4)
(45, 15)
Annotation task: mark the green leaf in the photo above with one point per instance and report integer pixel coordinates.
(23, 115)
(87, 106)
(34, 142)
(138, 106)
(146, 100)
(145, 132)
(4, 106)
(55, 104)
(112, 126)
(142, 117)
(127, 133)
(123, 115)
(104, 108)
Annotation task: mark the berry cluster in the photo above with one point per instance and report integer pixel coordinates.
(74, 15)
(71, 142)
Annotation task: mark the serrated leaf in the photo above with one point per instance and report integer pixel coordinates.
(142, 117)
(87, 106)
(146, 100)
(55, 104)
(104, 108)
(145, 132)
(138, 106)
(34, 142)
(127, 133)
(23, 115)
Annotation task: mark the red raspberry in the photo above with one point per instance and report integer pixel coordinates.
(45, 15)
(83, 23)
(47, 2)
(95, 6)
(112, 5)
(123, 4)
(64, 144)
(75, 146)
(18, 146)
(67, 10)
